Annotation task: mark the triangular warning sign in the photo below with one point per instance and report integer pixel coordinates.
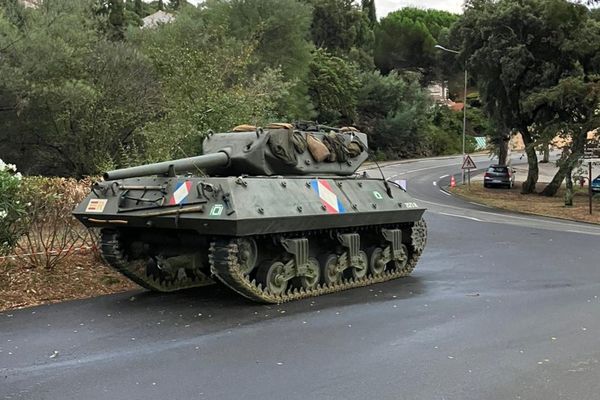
(468, 163)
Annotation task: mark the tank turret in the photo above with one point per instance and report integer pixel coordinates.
(278, 149)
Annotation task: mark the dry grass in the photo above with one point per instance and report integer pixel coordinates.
(83, 276)
(512, 199)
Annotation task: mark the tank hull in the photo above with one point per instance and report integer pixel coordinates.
(271, 239)
(243, 206)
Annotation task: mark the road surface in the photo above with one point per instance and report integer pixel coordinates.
(501, 306)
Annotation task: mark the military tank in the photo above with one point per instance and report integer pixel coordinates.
(276, 214)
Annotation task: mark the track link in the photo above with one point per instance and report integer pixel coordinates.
(114, 254)
(223, 258)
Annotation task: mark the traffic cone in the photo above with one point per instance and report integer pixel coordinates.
(452, 181)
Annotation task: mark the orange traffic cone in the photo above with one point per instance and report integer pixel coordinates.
(452, 181)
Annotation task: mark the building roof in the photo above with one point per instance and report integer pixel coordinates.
(158, 18)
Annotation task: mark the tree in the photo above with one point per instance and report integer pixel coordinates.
(515, 49)
(368, 9)
(571, 109)
(333, 86)
(70, 114)
(405, 40)
(394, 111)
(207, 82)
(278, 30)
(138, 8)
(116, 19)
(340, 25)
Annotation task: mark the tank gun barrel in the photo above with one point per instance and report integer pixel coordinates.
(220, 158)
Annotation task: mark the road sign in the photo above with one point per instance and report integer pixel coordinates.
(591, 153)
(468, 163)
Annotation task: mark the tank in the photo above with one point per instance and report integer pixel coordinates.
(276, 214)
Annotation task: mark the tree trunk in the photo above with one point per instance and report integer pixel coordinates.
(503, 149)
(569, 191)
(533, 172)
(546, 158)
(567, 166)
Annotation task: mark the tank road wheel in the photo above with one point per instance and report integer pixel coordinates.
(360, 271)
(272, 275)
(400, 264)
(376, 261)
(311, 279)
(329, 265)
(247, 254)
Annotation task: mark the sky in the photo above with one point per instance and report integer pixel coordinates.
(386, 6)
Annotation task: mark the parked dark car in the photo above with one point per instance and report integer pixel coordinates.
(499, 175)
(596, 185)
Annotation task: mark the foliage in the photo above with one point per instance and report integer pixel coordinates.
(12, 207)
(393, 111)
(340, 25)
(405, 40)
(333, 88)
(207, 84)
(277, 31)
(446, 131)
(74, 110)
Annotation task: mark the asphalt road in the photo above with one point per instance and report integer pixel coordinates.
(501, 306)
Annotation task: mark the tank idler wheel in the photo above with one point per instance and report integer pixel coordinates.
(312, 276)
(247, 254)
(401, 263)
(376, 261)
(360, 271)
(331, 271)
(273, 277)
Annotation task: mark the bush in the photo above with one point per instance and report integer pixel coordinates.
(53, 233)
(12, 208)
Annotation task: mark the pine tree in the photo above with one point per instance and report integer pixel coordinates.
(138, 8)
(161, 5)
(116, 19)
(368, 8)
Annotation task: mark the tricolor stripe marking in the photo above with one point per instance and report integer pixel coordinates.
(332, 204)
(181, 193)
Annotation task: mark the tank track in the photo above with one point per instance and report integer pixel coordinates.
(224, 265)
(136, 270)
(223, 259)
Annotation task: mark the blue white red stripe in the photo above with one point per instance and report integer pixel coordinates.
(329, 199)
(181, 193)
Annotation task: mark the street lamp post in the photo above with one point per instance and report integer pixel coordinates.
(464, 132)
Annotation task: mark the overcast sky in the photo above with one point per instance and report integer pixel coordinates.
(386, 6)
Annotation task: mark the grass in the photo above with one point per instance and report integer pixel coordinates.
(513, 200)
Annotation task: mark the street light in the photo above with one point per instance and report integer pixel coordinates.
(437, 46)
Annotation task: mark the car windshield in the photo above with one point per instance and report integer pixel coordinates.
(497, 169)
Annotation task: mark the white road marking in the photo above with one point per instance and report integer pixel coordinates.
(434, 183)
(424, 169)
(444, 192)
(583, 233)
(443, 176)
(462, 216)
